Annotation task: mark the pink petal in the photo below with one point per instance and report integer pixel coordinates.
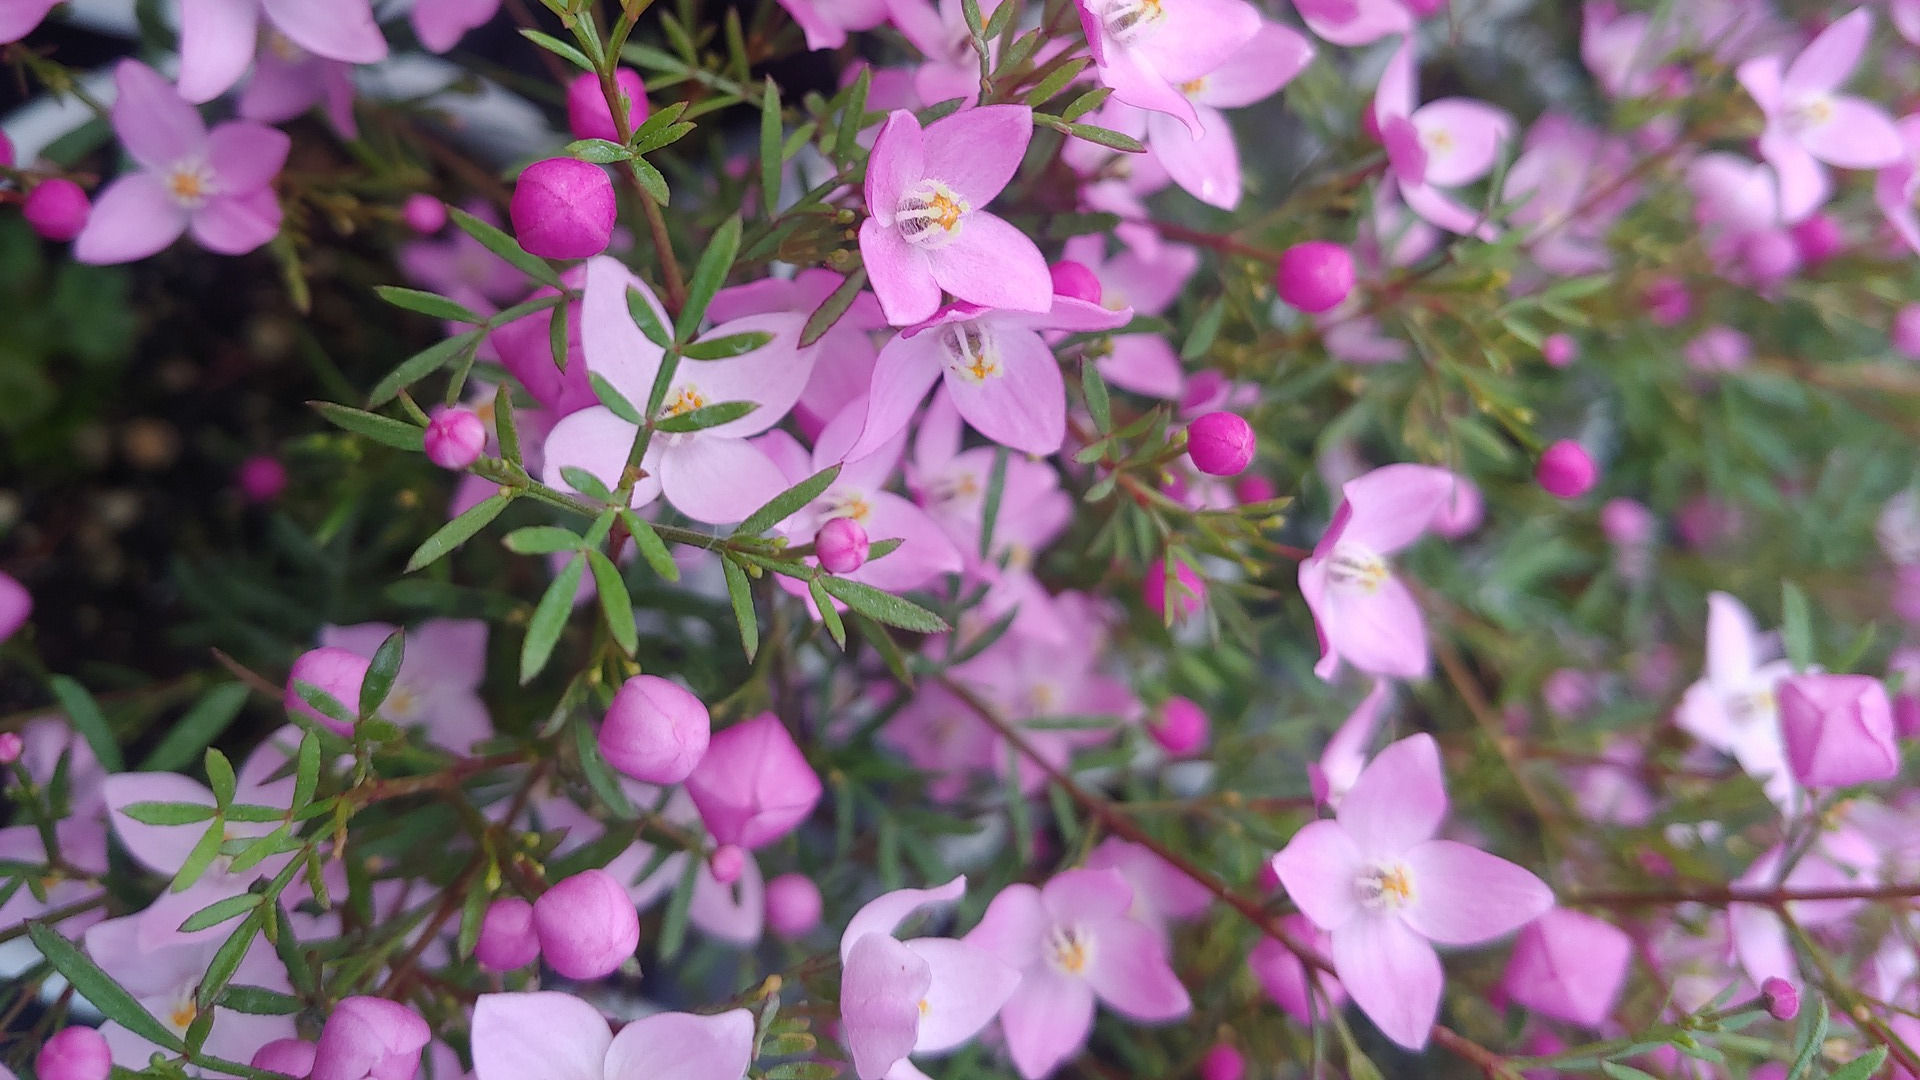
(1087, 894)
(1206, 167)
(884, 913)
(1437, 209)
(237, 224)
(440, 24)
(613, 345)
(1406, 154)
(154, 124)
(1144, 364)
(132, 218)
(1464, 896)
(246, 156)
(1761, 77)
(1857, 135)
(991, 263)
(1829, 59)
(596, 440)
(1264, 64)
(902, 279)
(1395, 96)
(451, 652)
(820, 33)
(1398, 801)
(925, 551)
(338, 30)
(1760, 943)
(161, 848)
(1135, 83)
(976, 151)
(217, 40)
(1013, 926)
(1318, 868)
(1131, 974)
(906, 370)
(1803, 180)
(1024, 407)
(1733, 642)
(882, 983)
(1369, 21)
(1381, 633)
(1392, 974)
(1195, 37)
(1392, 506)
(539, 1034)
(1475, 131)
(968, 989)
(1047, 1020)
(279, 90)
(920, 22)
(897, 163)
(733, 913)
(716, 479)
(680, 1046)
(772, 375)
(19, 17)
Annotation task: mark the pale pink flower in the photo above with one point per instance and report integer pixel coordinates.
(217, 37)
(1443, 144)
(438, 686)
(440, 24)
(559, 1037)
(1145, 49)
(1733, 707)
(1202, 157)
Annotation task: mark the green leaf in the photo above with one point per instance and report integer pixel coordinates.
(193, 732)
(287, 946)
(381, 672)
(458, 531)
(585, 483)
(673, 927)
(996, 491)
(770, 156)
(599, 774)
(559, 341)
(541, 540)
(707, 416)
(652, 548)
(884, 606)
(1099, 404)
(1056, 81)
(1624, 1072)
(785, 504)
(853, 116)
(99, 988)
(834, 306)
(422, 364)
(85, 715)
(226, 961)
(740, 594)
(168, 813)
(306, 772)
(205, 850)
(1205, 329)
(1796, 625)
(381, 429)
(615, 603)
(506, 247)
(549, 618)
(323, 702)
(613, 399)
(559, 48)
(220, 777)
(1811, 1037)
(828, 614)
(220, 911)
(426, 303)
(708, 275)
(1861, 1067)
(1086, 103)
(1126, 144)
(598, 151)
(260, 1001)
(503, 423)
(727, 347)
(473, 909)
(651, 181)
(640, 309)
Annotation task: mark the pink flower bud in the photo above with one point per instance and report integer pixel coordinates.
(1783, 998)
(1190, 592)
(1222, 1062)
(337, 672)
(57, 209)
(793, 905)
(1906, 331)
(370, 1038)
(74, 1053)
(655, 731)
(1838, 729)
(1566, 470)
(1559, 350)
(1315, 276)
(754, 786)
(262, 478)
(726, 863)
(507, 939)
(424, 214)
(1463, 510)
(1769, 257)
(587, 112)
(1074, 279)
(563, 208)
(11, 747)
(1569, 966)
(1182, 727)
(1818, 238)
(1220, 444)
(841, 546)
(1253, 489)
(1627, 523)
(455, 437)
(290, 1057)
(1718, 349)
(1568, 692)
(16, 604)
(587, 925)
(1668, 301)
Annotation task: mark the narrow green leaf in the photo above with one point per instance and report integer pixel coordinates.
(641, 308)
(1810, 1038)
(707, 416)
(504, 426)
(996, 491)
(559, 338)
(422, 364)
(1056, 81)
(882, 641)
(549, 618)
(541, 540)
(740, 594)
(1205, 329)
(652, 548)
(99, 988)
(727, 347)
(828, 614)
(426, 303)
(708, 275)
(884, 606)
(498, 242)
(615, 603)
(381, 429)
(220, 911)
(323, 702)
(586, 483)
(381, 672)
(1001, 18)
(834, 306)
(220, 777)
(473, 909)
(1115, 140)
(226, 961)
(853, 117)
(168, 813)
(260, 1001)
(1623, 1072)
(788, 502)
(87, 719)
(1099, 404)
(598, 151)
(600, 777)
(770, 156)
(666, 136)
(651, 181)
(202, 856)
(1086, 103)
(193, 732)
(1861, 1067)
(559, 48)
(458, 531)
(1796, 626)
(306, 772)
(287, 946)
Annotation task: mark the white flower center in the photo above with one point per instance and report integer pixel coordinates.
(1384, 888)
(190, 183)
(1354, 568)
(930, 214)
(1127, 19)
(850, 504)
(1810, 113)
(1069, 949)
(971, 353)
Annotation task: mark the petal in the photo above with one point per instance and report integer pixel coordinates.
(680, 1046)
(1464, 896)
(925, 551)
(338, 30)
(1267, 62)
(1395, 96)
(1398, 801)
(237, 224)
(897, 163)
(132, 218)
(1012, 926)
(1856, 135)
(450, 652)
(1761, 78)
(1130, 973)
(1804, 186)
(1318, 868)
(715, 479)
(993, 264)
(1391, 507)
(1206, 166)
(773, 375)
(884, 913)
(19, 17)
(906, 370)
(968, 989)
(217, 40)
(1144, 364)
(1437, 209)
(1760, 943)
(1829, 59)
(613, 345)
(439, 24)
(976, 151)
(1134, 83)
(1196, 37)
(246, 156)
(1733, 642)
(1392, 974)
(156, 126)
(733, 913)
(902, 279)
(1369, 21)
(1380, 633)
(1470, 132)
(279, 90)
(1047, 1020)
(596, 440)
(1023, 407)
(1087, 894)
(554, 1036)
(161, 848)
(882, 983)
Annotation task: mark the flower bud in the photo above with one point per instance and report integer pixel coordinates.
(1222, 1062)
(726, 863)
(587, 925)
(1182, 728)
(1220, 444)
(754, 786)
(841, 546)
(1315, 276)
(507, 940)
(11, 747)
(1838, 730)
(1190, 592)
(74, 1053)
(563, 208)
(588, 114)
(1783, 998)
(370, 1038)
(1818, 238)
(57, 209)
(455, 437)
(262, 478)
(424, 214)
(655, 731)
(1074, 279)
(290, 1057)
(1569, 966)
(16, 604)
(1627, 523)
(1769, 257)
(1668, 301)
(1253, 489)
(793, 905)
(1566, 470)
(337, 672)
(1559, 350)
(1718, 349)
(1906, 331)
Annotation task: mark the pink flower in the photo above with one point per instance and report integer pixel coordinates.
(16, 605)
(849, 342)
(1363, 613)
(1386, 891)
(559, 1037)
(219, 185)
(438, 686)
(1203, 158)
(163, 979)
(74, 1053)
(1443, 144)
(1354, 22)
(793, 905)
(1145, 50)
(1074, 944)
(288, 80)
(1162, 894)
(1345, 755)
(440, 24)
(1147, 283)
(1569, 966)
(217, 37)
(1809, 123)
(1897, 188)
(754, 786)
(1284, 976)
(370, 1038)
(1838, 730)
(921, 996)
(655, 730)
(927, 232)
(507, 937)
(19, 17)
(1733, 707)
(826, 22)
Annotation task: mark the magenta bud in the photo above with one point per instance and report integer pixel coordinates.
(1221, 444)
(1769, 257)
(1253, 489)
(1076, 280)
(1906, 331)
(1668, 301)
(455, 437)
(11, 746)
(337, 672)
(754, 786)
(587, 925)
(290, 1057)
(1182, 728)
(1559, 350)
(655, 731)
(563, 208)
(370, 1038)
(793, 905)
(588, 114)
(726, 863)
(1315, 276)
(1838, 730)
(74, 1053)
(1819, 238)
(1222, 1062)
(841, 546)
(1566, 470)
(57, 209)
(262, 478)
(16, 605)
(1190, 592)
(507, 939)
(1783, 998)
(424, 214)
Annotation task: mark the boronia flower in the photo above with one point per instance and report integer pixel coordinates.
(1204, 159)
(1376, 880)
(1734, 707)
(927, 230)
(559, 1037)
(1445, 143)
(217, 37)
(1146, 49)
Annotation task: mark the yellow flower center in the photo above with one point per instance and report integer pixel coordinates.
(1193, 86)
(190, 183)
(1354, 567)
(930, 214)
(971, 353)
(1069, 950)
(685, 401)
(183, 1015)
(1385, 887)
